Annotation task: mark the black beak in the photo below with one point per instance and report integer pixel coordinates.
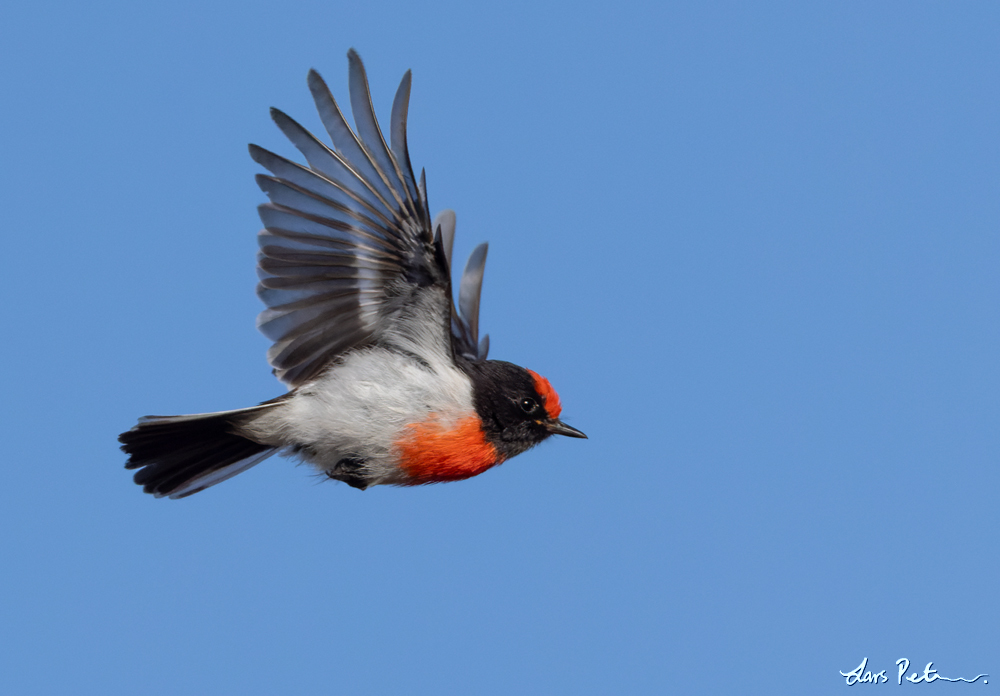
(557, 427)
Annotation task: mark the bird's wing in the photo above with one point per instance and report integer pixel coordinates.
(465, 319)
(348, 244)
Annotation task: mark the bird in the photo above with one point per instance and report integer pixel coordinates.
(388, 381)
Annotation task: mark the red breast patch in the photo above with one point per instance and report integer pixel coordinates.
(552, 406)
(433, 453)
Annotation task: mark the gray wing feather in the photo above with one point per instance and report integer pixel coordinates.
(469, 291)
(445, 221)
(324, 160)
(277, 217)
(279, 243)
(344, 235)
(465, 319)
(311, 181)
(314, 205)
(397, 132)
(422, 195)
(369, 132)
(348, 144)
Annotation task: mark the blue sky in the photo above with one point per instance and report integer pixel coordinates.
(754, 246)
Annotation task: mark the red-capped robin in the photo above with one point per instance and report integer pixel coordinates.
(389, 381)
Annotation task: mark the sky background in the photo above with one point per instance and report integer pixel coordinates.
(754, 246)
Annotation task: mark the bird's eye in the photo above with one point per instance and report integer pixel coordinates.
(528, 405)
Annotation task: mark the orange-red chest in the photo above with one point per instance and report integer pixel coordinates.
(433, 453)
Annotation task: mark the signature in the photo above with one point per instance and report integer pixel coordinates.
(862, 675)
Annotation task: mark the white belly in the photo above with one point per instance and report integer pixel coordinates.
(360, 408)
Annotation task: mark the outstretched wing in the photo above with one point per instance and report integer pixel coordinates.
(465, 319)
(348, 238)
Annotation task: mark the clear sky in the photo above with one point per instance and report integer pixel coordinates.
(754, 246)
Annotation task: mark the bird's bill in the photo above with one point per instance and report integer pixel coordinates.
(557, 427)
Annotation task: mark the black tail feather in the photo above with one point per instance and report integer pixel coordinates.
(180, 455)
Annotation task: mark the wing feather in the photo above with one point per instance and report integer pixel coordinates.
(276, 242)
(445, 223)
(465, 322)
(397, 132)
(330, 164)
(470, 288)
(348, 144)
(288, 218)
(314, 182)
(350, 235)
(291, 197)
(370, 134)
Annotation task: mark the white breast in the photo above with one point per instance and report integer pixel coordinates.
(360, 407)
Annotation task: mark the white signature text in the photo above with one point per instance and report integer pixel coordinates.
(862, 675)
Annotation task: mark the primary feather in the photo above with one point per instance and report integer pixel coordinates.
(346, 239)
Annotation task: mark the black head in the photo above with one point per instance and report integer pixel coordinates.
(518, 408)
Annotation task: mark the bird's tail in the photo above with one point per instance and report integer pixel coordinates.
(181, 455)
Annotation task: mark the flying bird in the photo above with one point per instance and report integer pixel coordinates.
(388, 381)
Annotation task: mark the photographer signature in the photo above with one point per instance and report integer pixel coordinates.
(861, 675)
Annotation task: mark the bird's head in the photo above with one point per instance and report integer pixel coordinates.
(518, 407)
